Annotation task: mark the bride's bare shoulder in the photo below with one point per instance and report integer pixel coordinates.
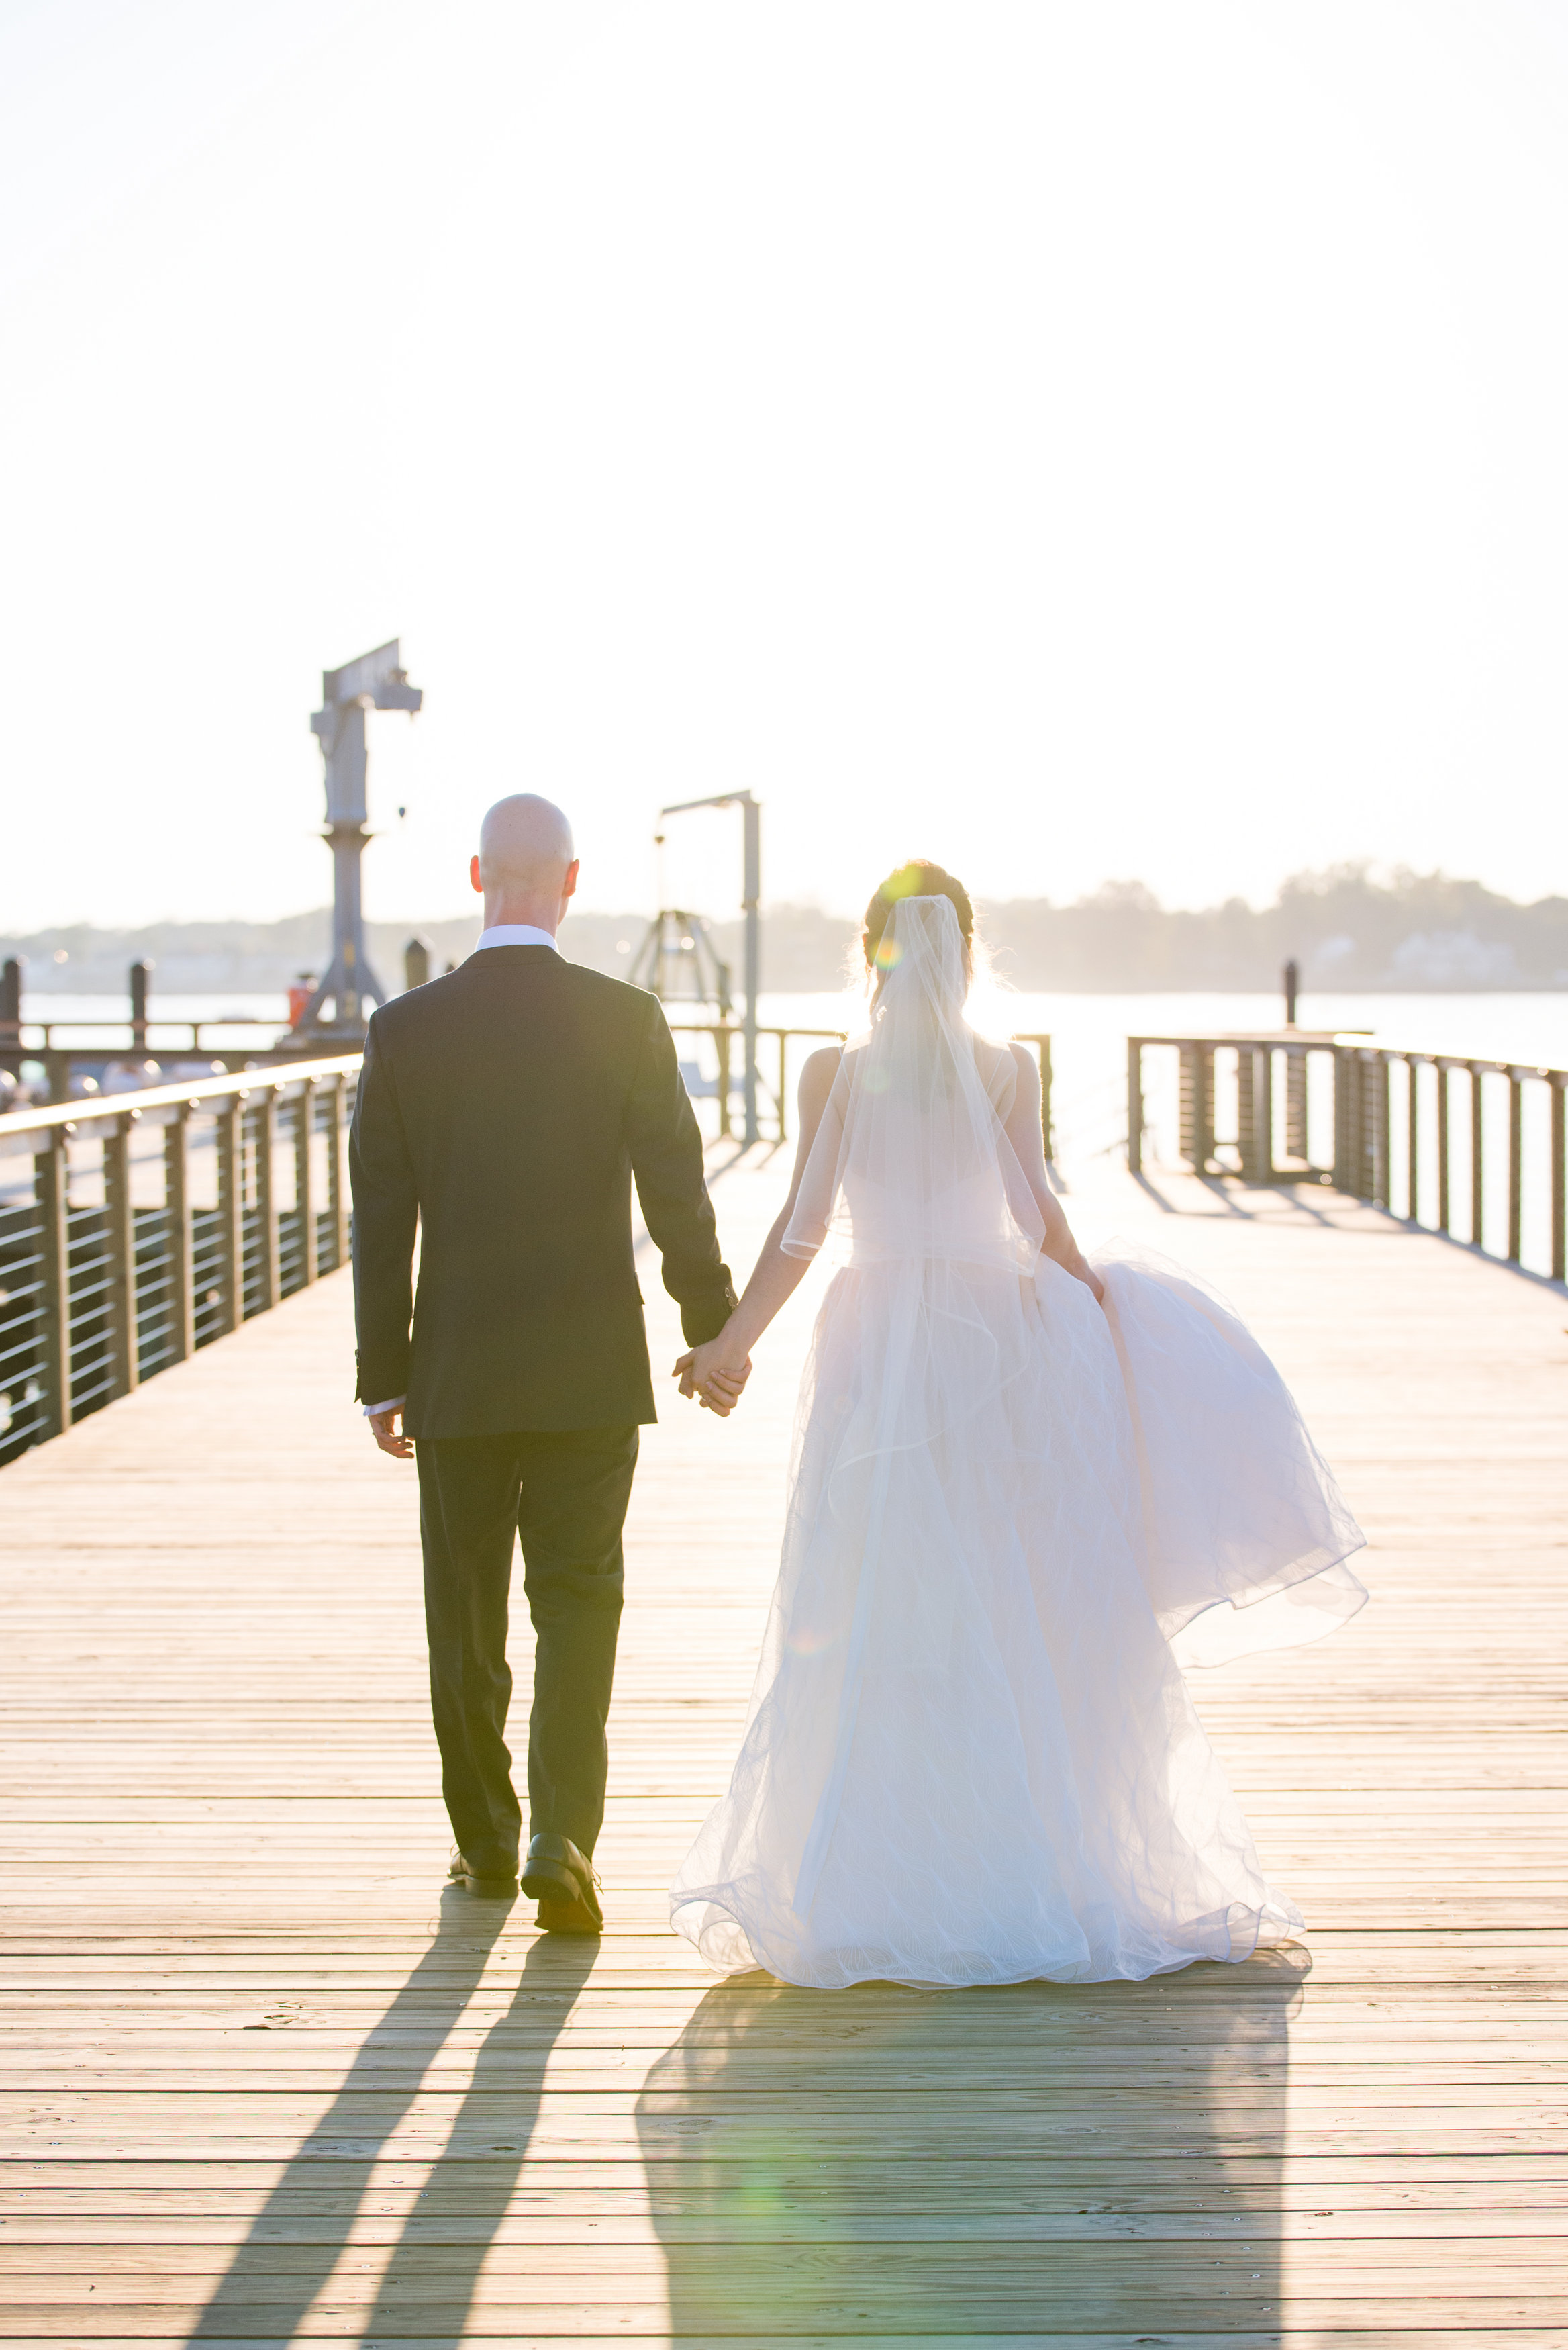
(1025, 1063)
(817, 1073)
(998, 1066)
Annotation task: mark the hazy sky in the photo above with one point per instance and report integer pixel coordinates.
(1110, 439)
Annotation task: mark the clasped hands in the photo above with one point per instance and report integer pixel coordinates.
(715, 1373)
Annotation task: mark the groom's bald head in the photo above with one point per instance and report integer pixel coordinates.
(524, 844)
(527, 865)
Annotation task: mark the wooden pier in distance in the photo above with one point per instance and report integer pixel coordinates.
(265, 2080)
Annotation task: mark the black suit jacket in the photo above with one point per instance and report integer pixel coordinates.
(507, 1108)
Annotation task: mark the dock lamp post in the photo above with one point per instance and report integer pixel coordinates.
(751, 898)
(375, 681)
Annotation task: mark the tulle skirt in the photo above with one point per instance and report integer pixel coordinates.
(971, 1756)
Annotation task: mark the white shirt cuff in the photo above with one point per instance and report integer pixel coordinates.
(392, 1404)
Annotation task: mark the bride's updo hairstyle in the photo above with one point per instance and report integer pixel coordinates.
(918, 878)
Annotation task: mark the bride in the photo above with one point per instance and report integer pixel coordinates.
(1026, 1488)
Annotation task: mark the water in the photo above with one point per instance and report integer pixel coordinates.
(114, 1011)
(1088, 1036)
(1088, 1040)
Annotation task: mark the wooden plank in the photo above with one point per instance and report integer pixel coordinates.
(154, 2325)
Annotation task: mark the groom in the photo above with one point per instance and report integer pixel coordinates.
(504, 1111)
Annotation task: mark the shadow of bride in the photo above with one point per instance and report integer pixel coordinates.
(1103, 2158)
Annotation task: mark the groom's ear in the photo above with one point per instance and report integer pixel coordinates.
(474, 877)
(569, 886)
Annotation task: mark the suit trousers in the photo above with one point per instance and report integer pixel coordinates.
(564, 1493)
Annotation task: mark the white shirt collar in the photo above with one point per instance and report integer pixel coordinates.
(516, 934)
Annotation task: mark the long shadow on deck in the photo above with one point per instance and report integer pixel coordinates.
(285, 2270)
(1036, 2158)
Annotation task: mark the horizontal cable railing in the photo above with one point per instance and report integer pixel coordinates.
(1471, 1147)
(133, 1231)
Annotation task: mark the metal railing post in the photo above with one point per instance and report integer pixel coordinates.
(1357, 1125)
(1515, 1164)
(1444, 1202)
(266, 1213)
(1382, 1132)
(1412, 1138)
(1478, 1180)
(1263, 1112)
(304, 1185)
(1255, 1111)
(232, 1210)
(337, 1172)
(180, 1229)
(721, 1035)
(52, 1177)
(1135, 1105)
(1341, 1159)
(1296, 1105)
(1198, 1104)
(1558, 1183)
(783, 1083)
(1246, 1150)
(121, 1218)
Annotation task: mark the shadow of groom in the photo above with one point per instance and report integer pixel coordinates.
(307, 2255)
(1036, 2158)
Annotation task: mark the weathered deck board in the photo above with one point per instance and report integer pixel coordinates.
(261, 2078)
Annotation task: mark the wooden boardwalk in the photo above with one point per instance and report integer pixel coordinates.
(248, 2034)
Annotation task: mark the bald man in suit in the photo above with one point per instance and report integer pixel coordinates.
(504, 1112)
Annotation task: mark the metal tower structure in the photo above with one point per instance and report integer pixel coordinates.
(751, 900)
(375, 681)
(679, 962)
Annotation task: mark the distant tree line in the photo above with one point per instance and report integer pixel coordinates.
(1411, 934)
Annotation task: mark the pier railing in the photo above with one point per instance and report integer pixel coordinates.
(726, 1034)
(72, 1070)
(1472, 1147)
(135, 1230)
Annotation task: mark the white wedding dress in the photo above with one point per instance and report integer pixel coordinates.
(971, 1756)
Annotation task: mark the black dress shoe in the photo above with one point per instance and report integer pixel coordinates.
(566, 1917)
(556, 1874)
(488, 1888)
